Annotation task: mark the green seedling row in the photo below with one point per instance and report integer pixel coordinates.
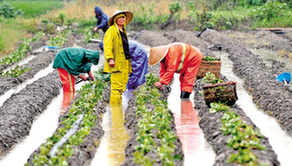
(89, 95)
(243, 139)
(21, 50)
(57, 40)
(154, 124)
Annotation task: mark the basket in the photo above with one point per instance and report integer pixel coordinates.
(223, 92)
(209, 66)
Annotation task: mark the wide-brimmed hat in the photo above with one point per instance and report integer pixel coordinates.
(157, 54)
(129, 16)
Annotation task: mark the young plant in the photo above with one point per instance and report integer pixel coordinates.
(210, 78)
(210, 58)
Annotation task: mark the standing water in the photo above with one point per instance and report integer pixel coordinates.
(280, 141)
(112, 146)
(196, 149)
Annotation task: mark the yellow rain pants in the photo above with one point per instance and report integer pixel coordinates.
(119, 82)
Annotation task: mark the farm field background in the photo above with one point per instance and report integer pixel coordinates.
(227, 30)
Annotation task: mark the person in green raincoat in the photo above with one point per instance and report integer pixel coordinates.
(117, 54)
(71, 62)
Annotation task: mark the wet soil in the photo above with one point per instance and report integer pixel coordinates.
(19, 111)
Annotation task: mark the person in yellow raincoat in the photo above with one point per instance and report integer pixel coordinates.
(117, 55)
(181, 58)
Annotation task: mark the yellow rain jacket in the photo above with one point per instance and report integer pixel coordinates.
(113, 48)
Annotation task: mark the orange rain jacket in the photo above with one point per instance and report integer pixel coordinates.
(184, 59)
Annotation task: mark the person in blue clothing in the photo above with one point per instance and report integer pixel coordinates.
(102, 20)
(139, 61)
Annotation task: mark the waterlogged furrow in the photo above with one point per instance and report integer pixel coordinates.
(154, 139)
(86, 103)
(20, 52)
(233, 136)
(20, 74)
(18, 112)
(272, 96)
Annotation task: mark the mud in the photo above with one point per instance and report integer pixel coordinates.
(260, 79)
(19, 111)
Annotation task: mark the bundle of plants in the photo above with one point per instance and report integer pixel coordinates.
(215, 90)
(209, 64)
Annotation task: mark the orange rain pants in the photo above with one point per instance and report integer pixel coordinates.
(184, 59)
(68, 82)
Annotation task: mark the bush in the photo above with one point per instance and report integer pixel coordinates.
(270, 10)
(8, 11)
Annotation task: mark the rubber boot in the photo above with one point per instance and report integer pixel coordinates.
(184, 95)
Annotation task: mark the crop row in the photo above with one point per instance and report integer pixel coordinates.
(243, 137)
(154, 123)
(83, 110)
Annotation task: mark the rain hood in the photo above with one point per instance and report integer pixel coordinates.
(74, 60)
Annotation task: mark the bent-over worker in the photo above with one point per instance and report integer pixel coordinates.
(181, 58)
(72, 62)
(102, 20)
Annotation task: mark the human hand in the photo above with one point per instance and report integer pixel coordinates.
(158, 85)
(111, 63)
(95, 29)
(83, 77)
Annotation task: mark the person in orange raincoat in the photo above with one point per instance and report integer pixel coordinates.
(181, 58)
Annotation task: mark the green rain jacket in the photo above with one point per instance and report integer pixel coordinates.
(74, 60)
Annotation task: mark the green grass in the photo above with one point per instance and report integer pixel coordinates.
(11, 33)
(35, 8)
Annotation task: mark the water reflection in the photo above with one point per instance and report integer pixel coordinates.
(196, 149)
(188, 130)
(112, 146)
(117, 137)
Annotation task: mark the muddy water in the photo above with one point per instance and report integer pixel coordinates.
(279, 139)
(39, 75)
(196, 149)
(112, 146)
(265, 54)
(42, 128)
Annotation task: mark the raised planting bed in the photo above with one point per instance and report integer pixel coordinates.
(151, 124)
(20, 74)
(18, 112)
(79, 132)
(270, 95)
(232, 135)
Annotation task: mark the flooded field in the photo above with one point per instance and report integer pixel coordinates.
(31, 110)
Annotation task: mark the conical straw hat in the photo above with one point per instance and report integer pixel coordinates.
(129, 16)
(157, 54)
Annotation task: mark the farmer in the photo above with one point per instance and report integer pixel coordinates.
(102, 20)
(72, 62)
(181, 58)
(139, 61)
(117, 54)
